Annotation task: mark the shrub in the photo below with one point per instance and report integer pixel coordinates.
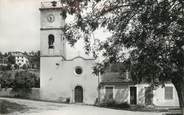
(6, 80)
(67, 100)
(110, 103)
(23, 83)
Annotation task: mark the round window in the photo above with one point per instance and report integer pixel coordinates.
(78, 70)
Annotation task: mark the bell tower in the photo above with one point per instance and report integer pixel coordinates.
(52, 21)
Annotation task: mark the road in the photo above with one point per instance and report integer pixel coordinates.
(49, 108)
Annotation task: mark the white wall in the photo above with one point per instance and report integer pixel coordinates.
(158, 95)
(58, 81)
(121, 93)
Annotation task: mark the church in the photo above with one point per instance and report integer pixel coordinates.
(71, 80)
(62, 79)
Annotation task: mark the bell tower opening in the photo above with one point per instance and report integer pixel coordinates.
(52, 23)
(51, 41)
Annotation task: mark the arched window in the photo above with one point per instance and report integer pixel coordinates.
(51, 41)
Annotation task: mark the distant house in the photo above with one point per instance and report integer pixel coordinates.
(20, 59)
(120, 88)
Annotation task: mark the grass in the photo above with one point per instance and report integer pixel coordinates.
(9, 107)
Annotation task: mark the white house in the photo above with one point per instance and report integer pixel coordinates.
(20, 59)
(121, 89)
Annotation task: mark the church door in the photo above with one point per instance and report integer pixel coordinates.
(78, 94)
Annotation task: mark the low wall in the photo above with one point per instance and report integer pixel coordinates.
(7, 92)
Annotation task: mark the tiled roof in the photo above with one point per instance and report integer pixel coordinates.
(114, 78)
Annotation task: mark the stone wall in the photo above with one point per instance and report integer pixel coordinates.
(35, 93)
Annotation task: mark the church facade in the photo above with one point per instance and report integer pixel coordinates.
(62, 79)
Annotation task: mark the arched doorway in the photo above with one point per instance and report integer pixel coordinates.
(78, 94)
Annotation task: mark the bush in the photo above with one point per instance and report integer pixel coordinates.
(67, 100)
(110, 103)
(6, 80)
(23, 83)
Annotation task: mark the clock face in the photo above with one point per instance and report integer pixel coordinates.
(50, 18)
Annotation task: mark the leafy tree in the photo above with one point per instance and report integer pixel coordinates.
(5, 54)
(16, 66)
(153, 31)
(35, 59)
(11, 59)
(6, 80)
(24, 67)
(23, 83)
(1, 54)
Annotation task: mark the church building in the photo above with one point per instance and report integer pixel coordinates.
(62, 79)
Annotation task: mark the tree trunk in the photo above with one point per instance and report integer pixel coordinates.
(179, 85)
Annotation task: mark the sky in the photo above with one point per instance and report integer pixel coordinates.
(20, 27)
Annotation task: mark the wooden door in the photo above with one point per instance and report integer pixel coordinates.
(78, 94)
(148, 95)
(133, 95)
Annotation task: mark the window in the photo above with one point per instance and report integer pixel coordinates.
(51, 41)
(109, 92)
(78, 70)
(168, 93)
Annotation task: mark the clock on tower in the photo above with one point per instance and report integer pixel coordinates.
(51, 31)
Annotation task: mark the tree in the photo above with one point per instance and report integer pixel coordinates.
(1, 54)
(23, 83)
(11, 59)
(6, 80)
(35, 60)
(152, 30)
(24, 67)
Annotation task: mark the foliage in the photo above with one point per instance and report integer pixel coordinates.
(11, 59)
(34, 59)
(23, 83)
(113, 104)
(16, 66)
(24, 67)
(1, 54)
(6, 80)
(20, 80)
(5, 67)
(152, 30)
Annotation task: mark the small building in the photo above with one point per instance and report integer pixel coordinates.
(114, 86)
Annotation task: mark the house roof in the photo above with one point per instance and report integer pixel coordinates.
(114, 78)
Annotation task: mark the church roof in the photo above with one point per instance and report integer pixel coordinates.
(79, 57)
